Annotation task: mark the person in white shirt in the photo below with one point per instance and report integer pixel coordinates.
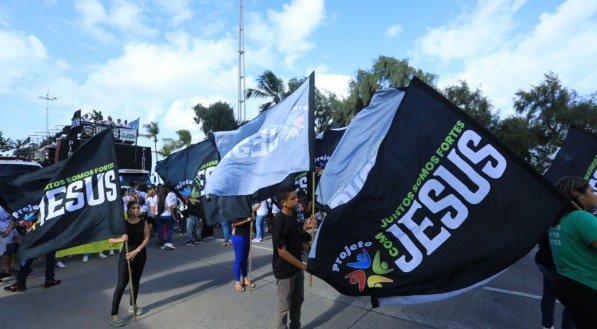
(167, 202)
(151, 204)
(261, 214)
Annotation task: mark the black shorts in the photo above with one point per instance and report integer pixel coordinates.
(11, 248)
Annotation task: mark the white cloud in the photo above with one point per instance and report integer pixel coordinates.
(563, 41)
(478, 32)
(122, 16)
(286, 31)
(21, 56)
(393, 31)
(179, 10)
(334, 83)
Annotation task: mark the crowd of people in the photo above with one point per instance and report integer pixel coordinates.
(107, 122)
(567, 256)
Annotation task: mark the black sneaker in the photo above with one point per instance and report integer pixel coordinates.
(190, 243)
(199, 241)
(51, 283)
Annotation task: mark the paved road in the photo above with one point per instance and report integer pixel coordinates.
(192, 287)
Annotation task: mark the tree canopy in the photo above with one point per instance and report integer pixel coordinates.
(218, 116)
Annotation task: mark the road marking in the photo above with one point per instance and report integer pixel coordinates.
(512, 292)
(264, 248)
(503, 291)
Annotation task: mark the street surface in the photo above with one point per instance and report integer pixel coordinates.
(192, 287)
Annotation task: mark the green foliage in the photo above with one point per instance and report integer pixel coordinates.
(153, 130)
(170, 145)
(5, 143)
(219, 116)
(387, 72)
(268, 86)
(549, 108)
(473, 103)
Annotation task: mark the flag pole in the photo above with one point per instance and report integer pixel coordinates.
(251, 252)
(312, 213)
(128, 264)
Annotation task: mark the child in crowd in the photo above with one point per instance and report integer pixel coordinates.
(288, 245)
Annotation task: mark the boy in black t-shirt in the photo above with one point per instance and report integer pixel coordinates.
(287, 262)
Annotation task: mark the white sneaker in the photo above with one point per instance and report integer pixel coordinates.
(85, 259)
(101, 255)
(60, 264)
(256, 240)
(169, 245)
(111, 252)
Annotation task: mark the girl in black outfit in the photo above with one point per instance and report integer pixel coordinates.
(137, 235)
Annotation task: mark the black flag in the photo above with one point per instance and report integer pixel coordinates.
(577, 157)
(187, 172)
(70, 203)
(325, 144)
(445, 207)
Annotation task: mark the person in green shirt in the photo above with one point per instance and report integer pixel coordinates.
(573, 242)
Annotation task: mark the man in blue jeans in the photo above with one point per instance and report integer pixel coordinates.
(21, 284)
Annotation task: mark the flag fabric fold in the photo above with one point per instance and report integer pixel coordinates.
(187, 172)
(70, 203)
(267, 150)
(445, 207)
(356, 152)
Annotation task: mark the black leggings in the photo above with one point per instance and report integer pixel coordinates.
(580, 299)
(137, 265)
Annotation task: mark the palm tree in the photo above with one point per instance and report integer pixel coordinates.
(153, 130)
(184, 138)
(268, 86)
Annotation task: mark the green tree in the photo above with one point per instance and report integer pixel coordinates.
(166, 150)
(219, 116)
(5, 143)
(549, 108)
(387, 72)
(473, 103)
(184, 140)
(268, 86)
(152, 131)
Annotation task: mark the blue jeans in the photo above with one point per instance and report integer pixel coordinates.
(548, 301)
(226, 230)
(260, 226)
(240, 243)
(168, 222)
(192, 228)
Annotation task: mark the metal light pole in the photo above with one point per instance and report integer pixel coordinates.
(48, 99)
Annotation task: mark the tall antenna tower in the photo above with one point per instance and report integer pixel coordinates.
(241, 111)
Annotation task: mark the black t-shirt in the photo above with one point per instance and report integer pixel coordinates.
(285, 232)
(136, 233)
(244, 229)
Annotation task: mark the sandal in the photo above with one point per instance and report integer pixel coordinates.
(239, 288)
(15, 288)
(249, 284)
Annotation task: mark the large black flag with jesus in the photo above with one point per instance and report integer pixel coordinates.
(77, 201)
(445, 207)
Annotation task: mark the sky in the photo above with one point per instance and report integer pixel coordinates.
(156, 59)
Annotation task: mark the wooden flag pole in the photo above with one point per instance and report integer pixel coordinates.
(312, 213)
(128, 264)
(251, 253)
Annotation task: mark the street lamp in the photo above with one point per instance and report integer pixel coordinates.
(48, 99)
